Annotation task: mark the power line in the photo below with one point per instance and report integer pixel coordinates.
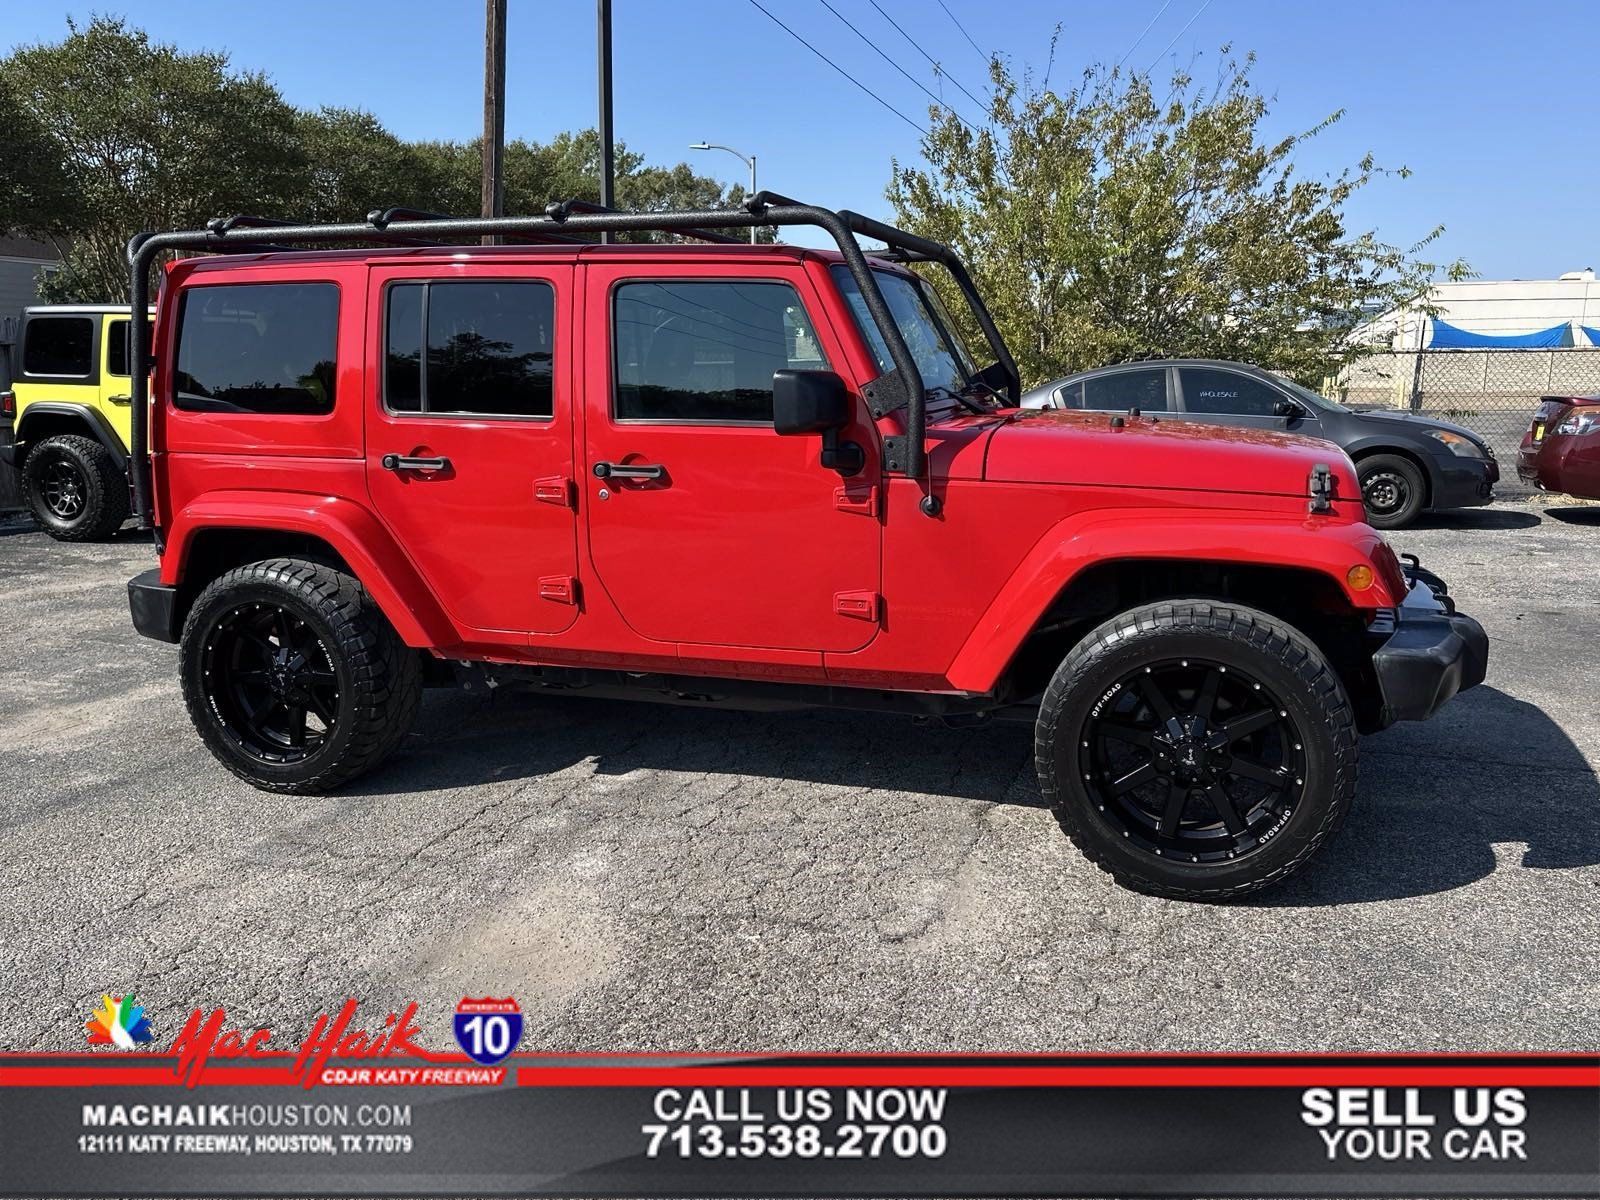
(964, 32)
(876, 49)
(984, 107)
(1144, 31)
(841, 70)
(1179, 34)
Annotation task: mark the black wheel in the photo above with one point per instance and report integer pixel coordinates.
(1392, 490)
(75, 489)
(1196, 750)
(293, 677)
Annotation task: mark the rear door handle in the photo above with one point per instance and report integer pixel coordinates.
(120, 399)
(606, 470)
(401, 462)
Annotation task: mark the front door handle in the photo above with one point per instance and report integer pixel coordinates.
(120, 399)
(606, 470)
(401, 462)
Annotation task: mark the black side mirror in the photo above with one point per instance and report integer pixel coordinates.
(806, 402)
(1288, 408)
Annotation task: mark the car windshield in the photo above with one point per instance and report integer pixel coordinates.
(941, 356)
(1315, 399)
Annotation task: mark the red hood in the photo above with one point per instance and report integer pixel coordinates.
(1062, 446)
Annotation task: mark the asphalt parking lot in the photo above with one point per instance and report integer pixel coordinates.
(640, 877)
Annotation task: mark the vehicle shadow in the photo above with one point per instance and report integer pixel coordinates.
(463, 741)
(1437, 798)
(1476, 518)
(1588, 515)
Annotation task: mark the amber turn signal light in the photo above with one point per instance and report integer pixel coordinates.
(1359, 577)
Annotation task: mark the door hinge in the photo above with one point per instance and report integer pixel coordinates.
(864, 606)
(553, 489)
(563, 589)
(865, 503)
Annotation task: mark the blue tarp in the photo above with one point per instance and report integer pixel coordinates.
(1452, 337)
(1594, 334)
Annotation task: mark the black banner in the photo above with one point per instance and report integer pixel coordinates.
(146, 1124)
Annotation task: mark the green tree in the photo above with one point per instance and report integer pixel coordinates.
(1118, 220)
(37, 196)
(150, 138)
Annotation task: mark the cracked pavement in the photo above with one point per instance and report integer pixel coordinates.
(650, 878)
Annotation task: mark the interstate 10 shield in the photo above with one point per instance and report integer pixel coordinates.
(488, 1029)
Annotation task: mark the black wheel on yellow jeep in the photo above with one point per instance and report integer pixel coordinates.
(1196, 749)
(294, 678)
(75, 488)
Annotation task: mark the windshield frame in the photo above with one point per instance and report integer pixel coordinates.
(940, 325)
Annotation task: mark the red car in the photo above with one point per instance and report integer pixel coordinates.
(770, 476)
(1561, 450)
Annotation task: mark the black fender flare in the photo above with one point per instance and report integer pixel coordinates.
(92, 420)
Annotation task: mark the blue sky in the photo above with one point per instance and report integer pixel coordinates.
(1492, 104)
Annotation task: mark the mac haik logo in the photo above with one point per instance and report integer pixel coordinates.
(488, 1029)
(208, 1036)
(119, 1022)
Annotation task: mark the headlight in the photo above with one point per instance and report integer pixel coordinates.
(1580, 422)
(1456, 444)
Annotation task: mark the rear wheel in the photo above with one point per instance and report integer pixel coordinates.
(75, 488)
(1196, 750)
(1392, 490)
(293, 677)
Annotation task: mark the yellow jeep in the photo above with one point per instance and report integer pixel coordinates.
(65, 424)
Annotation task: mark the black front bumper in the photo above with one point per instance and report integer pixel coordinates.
(1429, 651)
(154, 606)
(1464, 482)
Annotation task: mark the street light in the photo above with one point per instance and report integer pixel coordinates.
(749, 162)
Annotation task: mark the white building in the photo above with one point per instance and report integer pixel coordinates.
(1474, 310)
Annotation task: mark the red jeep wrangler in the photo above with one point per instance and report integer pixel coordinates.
(723, 474)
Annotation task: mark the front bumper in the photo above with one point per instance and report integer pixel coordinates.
(1465, 482)
(154, 606)
(1429, 651)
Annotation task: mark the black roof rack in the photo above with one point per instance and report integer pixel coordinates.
(897, 388)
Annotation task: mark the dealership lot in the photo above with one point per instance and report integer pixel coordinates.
(640, 877)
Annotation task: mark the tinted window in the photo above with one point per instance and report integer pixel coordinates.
(59, 346)
(1070, 396)
(1206, 391)
(117, 346)
(490, 348)
(1145, 390)
(258, 348)
(695, 351)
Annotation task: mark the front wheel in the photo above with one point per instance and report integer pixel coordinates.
(294, 679)
(1196, 750)
(1391, 489)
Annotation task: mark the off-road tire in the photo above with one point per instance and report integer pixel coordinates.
(1395, 472)
(101, 487)
(1256, 643)
(379, 677)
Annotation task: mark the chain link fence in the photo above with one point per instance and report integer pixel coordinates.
(1491, 392)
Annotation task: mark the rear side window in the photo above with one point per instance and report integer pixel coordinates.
(1207, 391)
(62, 346)
(481, 348)
(258, 348)
(117, 346)
(1145, 390)
(706, 351)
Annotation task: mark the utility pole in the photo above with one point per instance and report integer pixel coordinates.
(608, 167)
(494, 113)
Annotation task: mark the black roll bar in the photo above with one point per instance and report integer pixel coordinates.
(901, 387)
